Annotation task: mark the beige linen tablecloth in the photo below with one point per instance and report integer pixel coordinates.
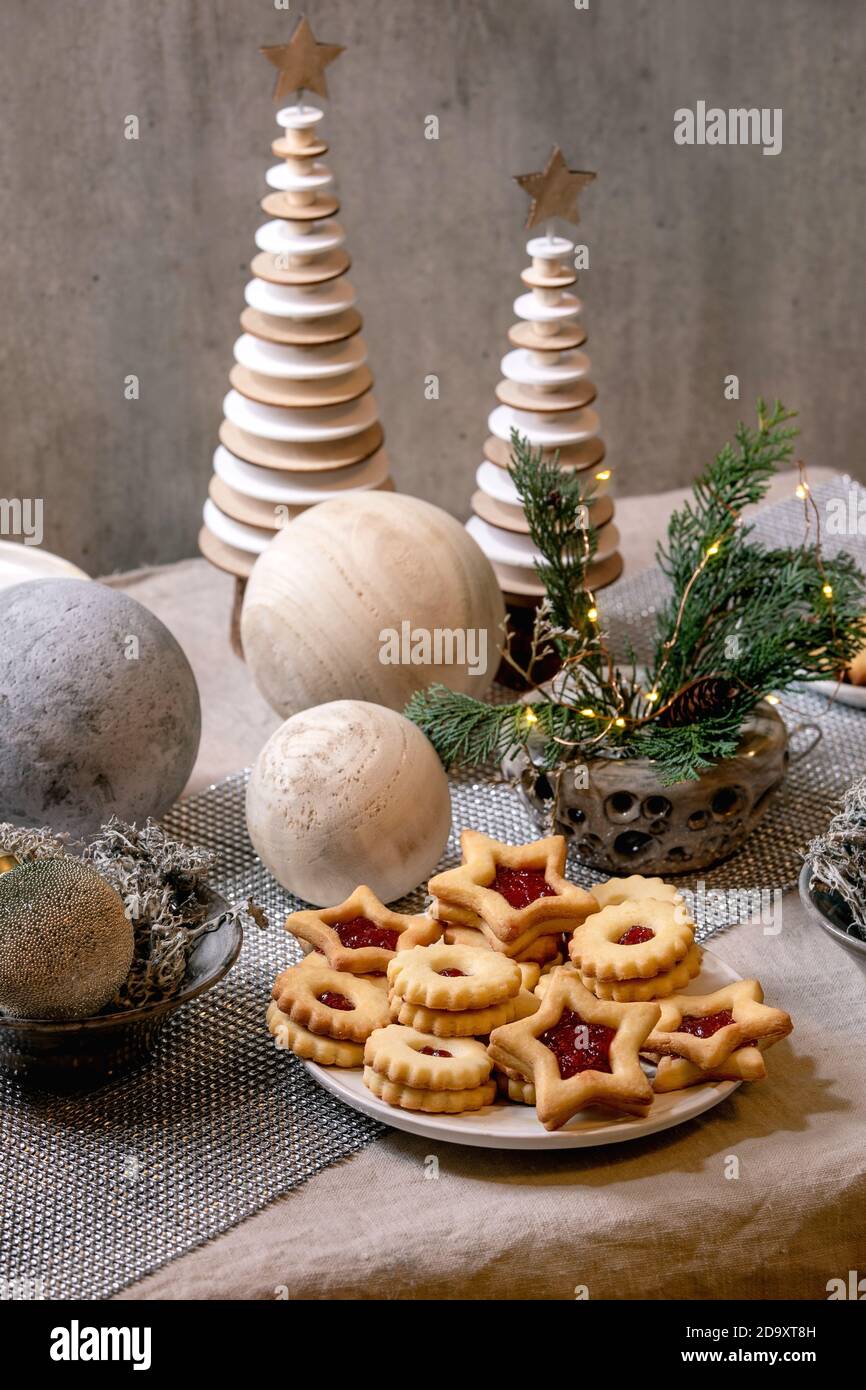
(763, 1197)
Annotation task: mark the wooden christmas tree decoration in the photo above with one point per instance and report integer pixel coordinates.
(301, 425)
(547, 396)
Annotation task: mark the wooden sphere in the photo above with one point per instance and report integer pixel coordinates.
(344, 794)
(344, 573)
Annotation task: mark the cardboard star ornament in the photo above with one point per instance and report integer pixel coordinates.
(301, 62)
(578, 1051)
(512, 893)
(554, 191)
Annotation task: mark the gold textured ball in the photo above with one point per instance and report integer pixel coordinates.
(344, 794)
(371, 596)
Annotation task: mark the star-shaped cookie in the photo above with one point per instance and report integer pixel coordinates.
(707, 1028)
(361, 935)
(554, 191)
(513, 893)
(301, 62)
(578, 1051)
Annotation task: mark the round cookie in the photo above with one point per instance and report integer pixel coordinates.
(433, 1102)
(424, 1061)
(331, 1002)
(328, 1052)
(453, 977)
(465, 1023)
(632, 940)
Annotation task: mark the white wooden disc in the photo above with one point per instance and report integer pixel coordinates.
(549, 248)
(299, 489)
(284, 180)
(287, 301)
(546, 431)
(522, 366)
(302, 117)
(573, 396)
(292, 457)
(317, 271)
(525, 583)
(281, 205)
(234, 533)
(301, 426)
(332, 328)
(280, 238)
(587, 454)
(530, 308)
(300, 364)
(511, 516)
(300, 395)
(509, 548)
(249, 511)
(496, 483)
(225, 557)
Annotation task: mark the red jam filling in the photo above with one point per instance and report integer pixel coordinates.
(706, 1026)
(335, 1001)
(451, 974)
(520, 887)
(579, 1046)
(635, 935)
(360, 931)
(435, 1052)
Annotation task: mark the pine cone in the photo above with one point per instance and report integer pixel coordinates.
(700, 699)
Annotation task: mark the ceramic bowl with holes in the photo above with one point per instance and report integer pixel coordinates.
(81, 1053)
(620, 818)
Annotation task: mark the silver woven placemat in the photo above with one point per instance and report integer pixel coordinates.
(98, 1191)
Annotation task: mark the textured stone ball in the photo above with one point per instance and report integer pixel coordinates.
(66, 944)
(344, 794)
(100, 709)
(343, 573)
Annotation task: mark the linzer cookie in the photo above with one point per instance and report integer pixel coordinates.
(579, 1051)
(676, 1073)
(514, 894)
(632, 940)
(361, 935)
(328, 1052)
(656, 987)
(453, 977)
(707, 1029)
(330, 1002)
(463, 1023)
(635, 888)
(419, 1071)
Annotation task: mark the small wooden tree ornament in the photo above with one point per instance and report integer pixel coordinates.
(546, 394)
(300, 410)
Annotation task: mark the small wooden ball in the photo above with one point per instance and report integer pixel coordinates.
(371, 596)
(348, 793)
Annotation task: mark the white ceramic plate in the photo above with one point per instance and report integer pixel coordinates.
(504, 1125)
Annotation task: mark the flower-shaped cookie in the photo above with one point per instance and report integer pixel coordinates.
(634, 888)
(331, 1002)
(707, 1028)
(453, 977)
(361, 935)
(513, 893)
(632, 941)
(656, 987)
(418, 1071)
(328, 1052)
(578, 1051)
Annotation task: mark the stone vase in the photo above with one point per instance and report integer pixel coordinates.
(623, 820)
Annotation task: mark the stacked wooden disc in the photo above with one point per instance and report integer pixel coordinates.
(301, 424)
(547, 396)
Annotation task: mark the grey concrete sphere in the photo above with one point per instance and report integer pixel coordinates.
(99, 709)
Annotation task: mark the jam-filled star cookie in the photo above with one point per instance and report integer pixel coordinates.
(328, 1052)
(578, 1051)
(513, 893)
(453, 977)
(676, 1073)
(632, 940)
(330, 1002)
(707, 1028)
(361, 935)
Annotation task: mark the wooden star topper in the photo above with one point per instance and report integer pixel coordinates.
(555, 190)
(301, 62)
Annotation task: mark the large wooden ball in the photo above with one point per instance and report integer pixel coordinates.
(344, 794)
(371, 597)
(100, 708)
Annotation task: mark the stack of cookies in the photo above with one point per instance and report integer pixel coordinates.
(638, 945)
(456, 991)
(418, 1071)
(512, 899)
(714, 1037)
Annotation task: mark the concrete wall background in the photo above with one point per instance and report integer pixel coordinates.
(122, 257)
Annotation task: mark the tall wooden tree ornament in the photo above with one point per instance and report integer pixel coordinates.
(301, 425)
(546, 394)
